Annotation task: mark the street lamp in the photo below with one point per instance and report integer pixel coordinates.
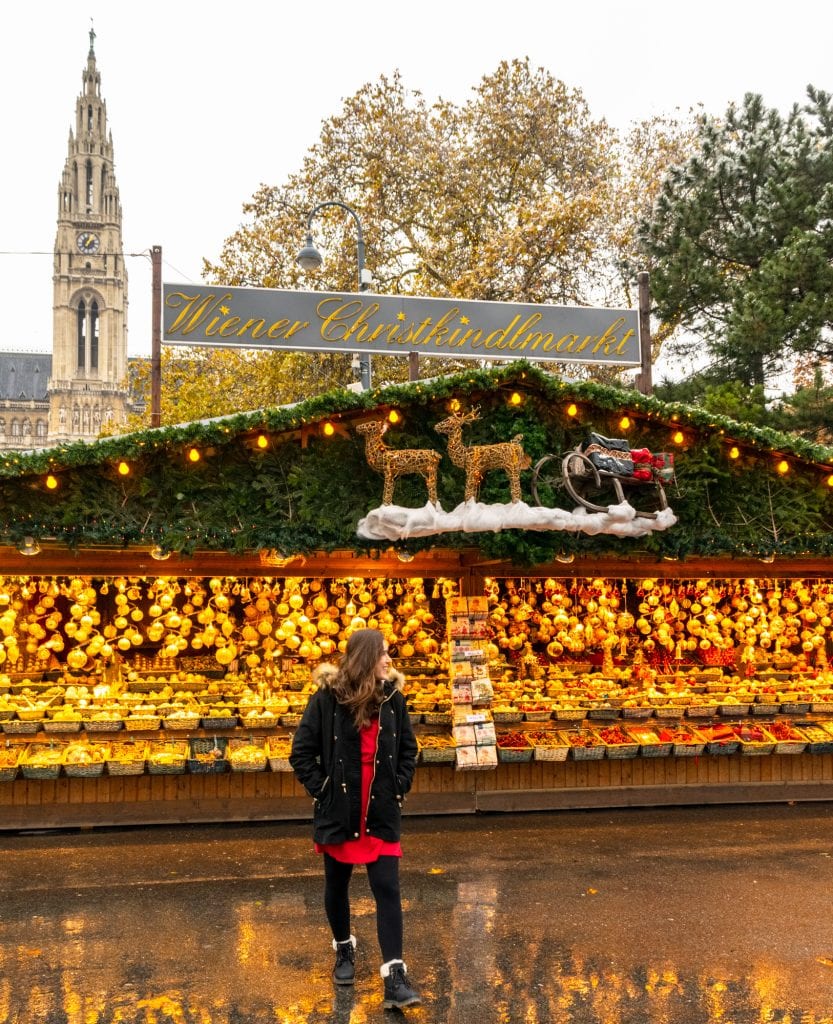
(309, 258)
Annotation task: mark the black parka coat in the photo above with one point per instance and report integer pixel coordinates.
(326, 758)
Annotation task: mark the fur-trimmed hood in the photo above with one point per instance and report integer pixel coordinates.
(326, 673)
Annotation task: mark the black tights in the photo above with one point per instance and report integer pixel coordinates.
(383, 875)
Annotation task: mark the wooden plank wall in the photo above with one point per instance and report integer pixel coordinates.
(146, 799)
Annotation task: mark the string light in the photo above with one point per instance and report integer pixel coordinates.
(678, 437)
(124, 469)
(51, 482)
(625, 423)
(734, 452)
(515, 398)
(572, 409)
(193, 454)
(393, 416)
(328, 429)
(783, 467)
(830, 480)
(262, 441)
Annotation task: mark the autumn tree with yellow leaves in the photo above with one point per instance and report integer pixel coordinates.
(516, 195)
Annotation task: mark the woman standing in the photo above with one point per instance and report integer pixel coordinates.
(355, 754)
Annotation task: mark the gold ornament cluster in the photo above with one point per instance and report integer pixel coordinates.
(257, 619)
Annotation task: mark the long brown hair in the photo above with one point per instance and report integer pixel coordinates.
(356, 686)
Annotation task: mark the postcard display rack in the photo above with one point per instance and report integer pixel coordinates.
(471, 689)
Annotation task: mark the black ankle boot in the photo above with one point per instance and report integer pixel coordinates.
(398, 991)
(344, 972)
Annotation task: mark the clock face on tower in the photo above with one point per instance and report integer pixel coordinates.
(87, 242)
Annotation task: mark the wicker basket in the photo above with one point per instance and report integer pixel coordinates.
(796, 744)
(734, 710)
(31, 714)
(248, 755)
(142, 723)
(792, 707)
(620, 751)
(637, 711)
(6, 714)
(537, 716)
(119, 763)
(41, 771)
(822, 707)
(515, 755)
(215, 722)
(594, 753)
(183, 723)
(650, 745)
(437, 718)
(570, 714)
(765, 709)
(168, 757)
(260, 722)
(216, 765)
(507, 717)
(17, 727)
(819, 740)
(277, 753)
(689, 748)
(8, 767)
(88, 770)
(603, 714)
(554, 751)
(290, 721)
(438, 755)
(701, 710)
(102, 724)
(670, 712)
(62, 725)
(756, 747)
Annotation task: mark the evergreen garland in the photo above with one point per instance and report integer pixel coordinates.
(305, 492)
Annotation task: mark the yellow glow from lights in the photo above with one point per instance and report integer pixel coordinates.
(51, 482)
(734, 452)
(193, 454)
(515, 398)
(625, 423)
(262, 441)
(572, 409)
(678, 437)
(124, 469)
(328, 429)
(454, 405)
(393, 416)
(830, 480)
(783, 467)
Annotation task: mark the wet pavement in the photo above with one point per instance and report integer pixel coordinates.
(684, 916)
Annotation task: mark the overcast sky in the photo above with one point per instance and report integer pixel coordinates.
(208, 100)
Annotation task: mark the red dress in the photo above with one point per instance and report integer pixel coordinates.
(366, 848)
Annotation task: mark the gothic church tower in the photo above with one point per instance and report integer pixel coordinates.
(88, 384)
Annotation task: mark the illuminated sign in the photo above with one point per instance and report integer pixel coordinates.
(396, 325)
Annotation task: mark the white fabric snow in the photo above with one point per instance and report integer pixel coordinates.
(393, 522)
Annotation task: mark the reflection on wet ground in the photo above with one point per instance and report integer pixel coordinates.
(628, 917)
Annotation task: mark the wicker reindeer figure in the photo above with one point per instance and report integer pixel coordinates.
(393, 462)
(479, 459)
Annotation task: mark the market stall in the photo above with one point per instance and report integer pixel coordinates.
(596, 599)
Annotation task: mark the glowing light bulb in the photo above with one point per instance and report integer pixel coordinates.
(678, 437)
(783, 467)
(515, 398)
(51, 482)
(262, 441)
(572, 409)
(625, 423)
(393, 416)
(734, 452)
(124, 469)
(193, 454)
(328, 429)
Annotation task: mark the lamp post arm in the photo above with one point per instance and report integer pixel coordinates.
(359, 234)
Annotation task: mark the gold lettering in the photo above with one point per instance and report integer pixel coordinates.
(195, 310)
(626, 337)
(229, 326)
(503, 331)
(530, 321)
(276, 329)
(438, 332)
(336, 318)
(257, 326)
(608, 338)
(360, 327)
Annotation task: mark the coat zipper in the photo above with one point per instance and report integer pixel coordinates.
(375, 760)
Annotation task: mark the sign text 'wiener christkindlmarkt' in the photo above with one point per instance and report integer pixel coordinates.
(396, 324)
